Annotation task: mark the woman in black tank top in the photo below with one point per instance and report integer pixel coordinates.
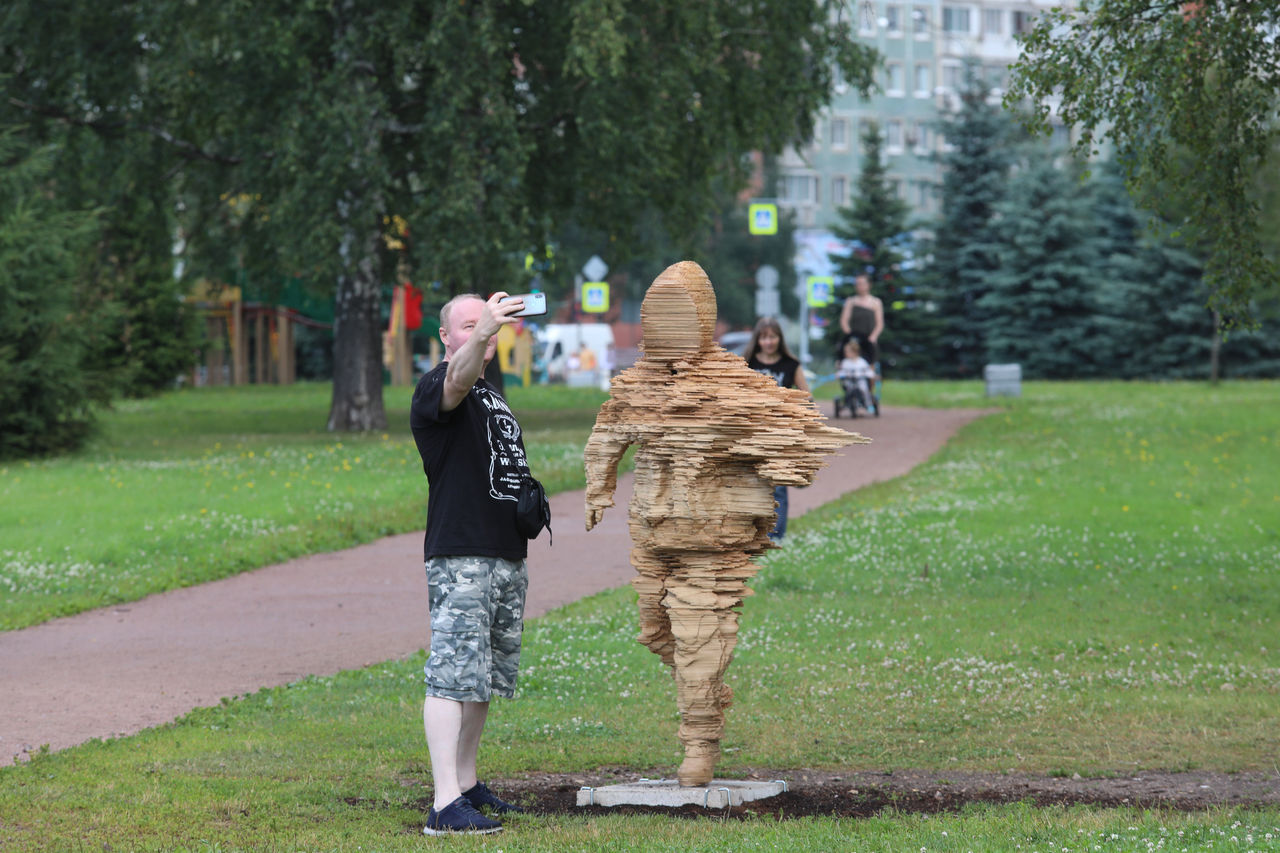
(863, 320)
(767, 353)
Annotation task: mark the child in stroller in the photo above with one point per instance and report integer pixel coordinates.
(855, 377)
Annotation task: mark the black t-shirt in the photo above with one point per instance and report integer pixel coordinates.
(782, 371)
(474, 460)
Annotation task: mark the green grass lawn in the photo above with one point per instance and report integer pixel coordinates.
(200, 484)
(1084, 582)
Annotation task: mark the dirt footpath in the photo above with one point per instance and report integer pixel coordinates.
(121, 669)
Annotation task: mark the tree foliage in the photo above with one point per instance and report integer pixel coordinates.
(1156, 77)
(876, 219)
(1040, 306)
(981, 146)
(1152, 318)
(1090, 286)
(294, 131)
(45, 396)
(731, 255)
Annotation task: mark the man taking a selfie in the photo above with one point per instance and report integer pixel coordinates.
(474, 459)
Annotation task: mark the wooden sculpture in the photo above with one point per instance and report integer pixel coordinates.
(714, 438)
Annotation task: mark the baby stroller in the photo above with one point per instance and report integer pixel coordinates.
(854, 397)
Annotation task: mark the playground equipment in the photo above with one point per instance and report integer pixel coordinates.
(241, 334)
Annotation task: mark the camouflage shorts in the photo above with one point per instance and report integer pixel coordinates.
(477, 617)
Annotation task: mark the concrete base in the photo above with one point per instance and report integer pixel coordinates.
(720, 794)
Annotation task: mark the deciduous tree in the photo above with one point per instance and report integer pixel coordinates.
(294, 130)
(1155, 77)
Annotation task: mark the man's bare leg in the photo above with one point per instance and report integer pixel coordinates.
(474, 715)
(442, 719)
(453, 739)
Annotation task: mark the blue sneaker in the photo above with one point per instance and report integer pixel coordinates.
(459, 818)
(480, 796)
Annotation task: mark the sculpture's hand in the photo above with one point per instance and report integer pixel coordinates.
(594, 515)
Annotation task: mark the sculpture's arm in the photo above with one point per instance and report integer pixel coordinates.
(604, 451)
(788, 448)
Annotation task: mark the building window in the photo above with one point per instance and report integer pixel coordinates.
(993, 22)
(895, 186)
(839, 190)
(920, 21)
(1023, 22)
(839, 134)
(923, 81)
(951, 77)
(922, 193)
(996, 75)
(894, 86)
(955, 19)
(815, 144)
(867, 19)
(893, 135)
(863, 126)
(923, 138)
(799, 189)
(893, 19)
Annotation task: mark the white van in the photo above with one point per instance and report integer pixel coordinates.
(560, 347)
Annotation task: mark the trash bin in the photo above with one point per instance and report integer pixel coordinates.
(1003, 380)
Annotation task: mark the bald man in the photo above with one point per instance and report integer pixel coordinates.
(473, 454)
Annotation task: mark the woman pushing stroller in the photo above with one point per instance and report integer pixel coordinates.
(861, 322)
(862, 318)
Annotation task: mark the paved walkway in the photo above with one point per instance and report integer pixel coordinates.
(118, 670)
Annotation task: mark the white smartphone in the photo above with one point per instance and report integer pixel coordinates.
(535, 304)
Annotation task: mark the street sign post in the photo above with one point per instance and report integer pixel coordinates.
(595, 269)
(768, 303)
(762, 218)
(595, 297)
(821, 290)
(767, 277)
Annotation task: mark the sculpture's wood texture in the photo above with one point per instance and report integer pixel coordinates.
(714, 437)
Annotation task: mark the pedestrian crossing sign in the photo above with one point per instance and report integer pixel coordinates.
(595, 297)
(821, 288)
(762, 218)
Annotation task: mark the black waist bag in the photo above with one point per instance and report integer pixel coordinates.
(533, 512)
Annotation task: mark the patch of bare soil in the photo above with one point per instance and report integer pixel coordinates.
(862, 794)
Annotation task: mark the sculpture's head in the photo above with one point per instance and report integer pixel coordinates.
(678, 315)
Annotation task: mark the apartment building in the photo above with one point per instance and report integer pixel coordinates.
(925, 46)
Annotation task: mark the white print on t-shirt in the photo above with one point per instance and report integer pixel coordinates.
(776, 377)
(507, 462)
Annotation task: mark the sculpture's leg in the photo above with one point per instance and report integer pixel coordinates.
(700, 604)
(655, 627)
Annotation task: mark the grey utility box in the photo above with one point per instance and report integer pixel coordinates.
(1003, 380)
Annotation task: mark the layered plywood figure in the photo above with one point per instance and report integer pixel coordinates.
(714, 437)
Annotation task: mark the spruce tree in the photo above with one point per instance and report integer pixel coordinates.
(876, 223)
(1040, 306)
(1151, 299)
(979, 138)
(45, 396)
(1153, 302)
